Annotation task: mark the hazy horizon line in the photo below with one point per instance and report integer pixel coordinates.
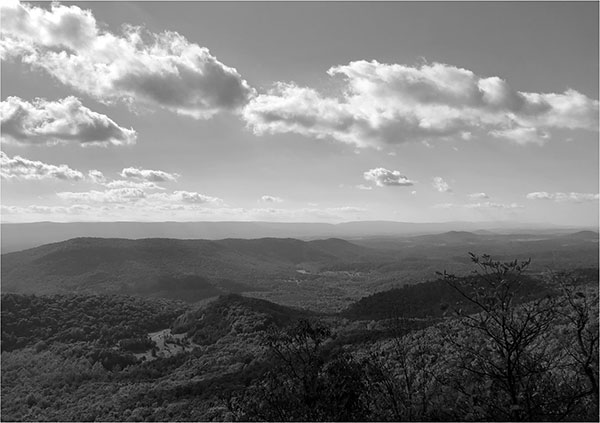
(448, 222)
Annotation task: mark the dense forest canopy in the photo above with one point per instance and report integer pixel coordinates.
(502, 343)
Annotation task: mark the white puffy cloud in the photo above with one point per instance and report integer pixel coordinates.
(148, 175)
(18, 167)
(114, 195)
(382, 104)
(96, 176)
(542, 195)
(137, 66)
(574, 197)
(270, 199)
(364, 187)
(143, 185)
(441, 185)
(384, 177)
(138, 194)
(477, 195)
(53, 122)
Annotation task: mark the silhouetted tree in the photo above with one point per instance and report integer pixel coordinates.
(512, 366)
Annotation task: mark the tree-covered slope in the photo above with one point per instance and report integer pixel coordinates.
(185, 269)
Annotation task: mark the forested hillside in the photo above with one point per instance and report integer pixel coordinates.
(526, 348)
(183, 269)
(322, 275)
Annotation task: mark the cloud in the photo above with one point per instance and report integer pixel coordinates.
(382, 104)
(148, 175)
(540, 196)
(270, 199)
(339, 213)
(484, 205)
(384, 177)
(522, 135)
(492, 205)
(114, 195)
(96, 176)
(477, 195)
(137, 194)
(186, 197)
(46, 210)
(17, 167)
(364, 187)
(144, 185)
(574, 197)
(53, 122)
(441, 185)
(149, 209)
(136, 66)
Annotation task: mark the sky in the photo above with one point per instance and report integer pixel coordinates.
(300, 111)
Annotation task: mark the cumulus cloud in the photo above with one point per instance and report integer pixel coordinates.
(143, 185)
(53, 122)
(270, 199)
(139, 195)
(441, 185)
(115, 195)
(136, 66)
(384, 177)
(574, 197)
(382, 104)
(18, 167)
(148, 175)
(477, 195)
(96, 176)
(364, 187)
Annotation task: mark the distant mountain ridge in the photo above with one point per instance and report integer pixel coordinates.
(20, 236)
(182, 269)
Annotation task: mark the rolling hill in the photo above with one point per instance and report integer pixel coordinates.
(235, 314)
(182, 269)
